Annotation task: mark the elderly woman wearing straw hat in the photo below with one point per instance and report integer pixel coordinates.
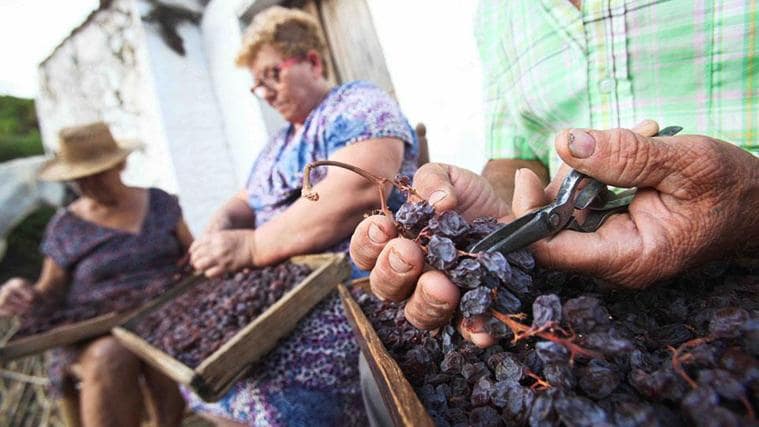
(111, 238)
(311, 378)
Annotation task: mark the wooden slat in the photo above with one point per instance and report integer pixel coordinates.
(173, 368)
(310, 7)
(276, 322)
(353, 42)
(400, 399)
(62, 335)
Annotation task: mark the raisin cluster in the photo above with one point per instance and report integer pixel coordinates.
(193, 326)
(488, 280)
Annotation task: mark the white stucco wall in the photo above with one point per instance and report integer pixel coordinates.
(191, 122)
(432, 58)
(247, 122)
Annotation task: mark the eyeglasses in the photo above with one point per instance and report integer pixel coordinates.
(270, 77)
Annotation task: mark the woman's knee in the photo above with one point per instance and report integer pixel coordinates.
(106, 355)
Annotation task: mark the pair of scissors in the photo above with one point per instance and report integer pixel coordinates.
(595, 197)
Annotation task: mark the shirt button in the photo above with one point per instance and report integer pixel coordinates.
(606, 85)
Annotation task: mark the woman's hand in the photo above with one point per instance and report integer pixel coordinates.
(219, 252)
(396, 263)
(697, 200)
(17, 296)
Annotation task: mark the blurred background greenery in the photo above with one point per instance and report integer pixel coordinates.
(20, 137)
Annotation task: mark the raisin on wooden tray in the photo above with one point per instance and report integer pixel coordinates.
(196, 324)
(51, 315)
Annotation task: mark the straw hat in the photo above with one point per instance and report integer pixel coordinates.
(83, 150)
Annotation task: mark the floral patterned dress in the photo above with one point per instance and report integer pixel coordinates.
(103, 261)
(311, 378)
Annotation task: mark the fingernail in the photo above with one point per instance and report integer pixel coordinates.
(581, 144)
(516, 174)
(437, 196)
(397, 263)
(376, 235)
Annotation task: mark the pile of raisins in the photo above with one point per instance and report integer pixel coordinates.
(49, 315)
(682, 352)
(191, 327)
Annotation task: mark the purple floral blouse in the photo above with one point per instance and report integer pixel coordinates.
(311, 378)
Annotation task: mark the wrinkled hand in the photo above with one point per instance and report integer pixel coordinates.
(697, 200)
(397, 263)
(223, 251)
(17, 297)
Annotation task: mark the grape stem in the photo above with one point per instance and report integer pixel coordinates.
(540, 384)
(522, 331)
(309, 193)
(678, 358)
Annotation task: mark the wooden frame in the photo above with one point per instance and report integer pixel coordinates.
(400, 399)
(79, 331)
(213, 377)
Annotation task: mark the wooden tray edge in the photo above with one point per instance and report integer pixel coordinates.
(211, 372)
(173, 368)
(62, 335)
(399, 397)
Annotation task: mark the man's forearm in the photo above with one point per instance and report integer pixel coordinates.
(500, 174)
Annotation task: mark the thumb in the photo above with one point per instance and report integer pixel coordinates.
(528, 192)
(433, 182)
(618, 157)
(448, 187)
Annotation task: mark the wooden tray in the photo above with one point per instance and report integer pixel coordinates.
(213, 377)
(75, 332)
(401, 401)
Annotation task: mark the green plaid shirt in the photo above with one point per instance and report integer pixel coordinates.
(549, 66)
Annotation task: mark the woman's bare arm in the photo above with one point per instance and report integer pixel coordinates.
(236, 213)
(344, 198)
(18, 295)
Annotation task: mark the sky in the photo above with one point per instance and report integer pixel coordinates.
(29, 31)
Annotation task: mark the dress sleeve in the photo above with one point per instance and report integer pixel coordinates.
(54, 241)
(166, 208)
(363, 111)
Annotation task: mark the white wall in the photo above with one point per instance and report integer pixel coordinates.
(188, 116)
(432, 58)
(243, 119)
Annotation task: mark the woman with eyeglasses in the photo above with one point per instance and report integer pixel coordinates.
(311, 378)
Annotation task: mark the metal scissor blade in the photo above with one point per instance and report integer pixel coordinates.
(669, 131)
(516, 234)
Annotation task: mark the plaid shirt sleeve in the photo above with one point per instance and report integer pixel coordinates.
(503, 138)
(549, 66)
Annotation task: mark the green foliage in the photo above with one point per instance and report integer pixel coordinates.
(19, 132)
(20, 137)
(23, 257)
